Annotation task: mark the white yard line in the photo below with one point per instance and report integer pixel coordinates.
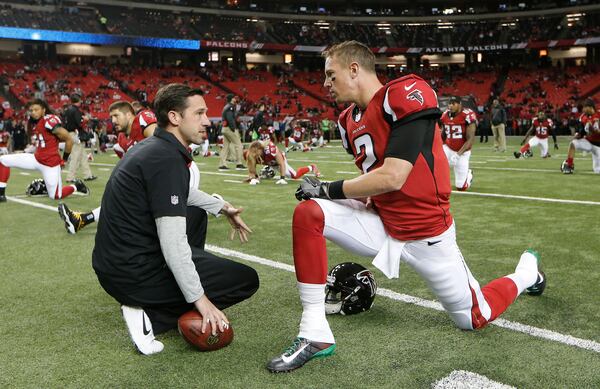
(516, 169)
(526, 329)
(585, 344)
(543, 199)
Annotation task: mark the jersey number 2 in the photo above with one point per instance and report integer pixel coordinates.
(365, 151)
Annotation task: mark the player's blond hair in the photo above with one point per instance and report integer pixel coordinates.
(255, 152)
(352, 51)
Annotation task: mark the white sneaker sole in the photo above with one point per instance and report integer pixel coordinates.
(63, 215)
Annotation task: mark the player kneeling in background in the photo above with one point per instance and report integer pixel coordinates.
(587, 138)
(542, 126)
(266, 153)
(459, 130)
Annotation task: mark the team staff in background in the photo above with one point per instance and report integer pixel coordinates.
(142, 256)
(498, 118)
(48, 132)
(397, 210)
(79, 159)
(232, 143)
(326, 128)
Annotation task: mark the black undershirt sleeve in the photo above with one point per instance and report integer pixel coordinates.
(409, 135)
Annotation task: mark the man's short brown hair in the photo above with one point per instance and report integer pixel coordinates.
(123, 106)
(352, 51)
(172, 97)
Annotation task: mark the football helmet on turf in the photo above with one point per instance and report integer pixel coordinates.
(267, 172)
(36, 188)
(350, 289)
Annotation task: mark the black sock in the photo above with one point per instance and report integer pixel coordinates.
(2, 190)
(87, 218)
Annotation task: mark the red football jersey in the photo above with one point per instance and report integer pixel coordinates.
(46, 142)
(4, 136)
(316, 133)
(298, 134)
(269, 153)
(542, 127)
(421, 208)
(265, 134)
(591, 124)
(455, 127)
(143, 119)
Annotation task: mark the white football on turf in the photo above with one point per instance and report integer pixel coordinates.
(254, 181)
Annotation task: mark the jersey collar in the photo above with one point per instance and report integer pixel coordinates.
(168, 137)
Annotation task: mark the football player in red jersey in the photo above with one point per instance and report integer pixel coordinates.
(542, 126)
(458, 131)
(266, 133)
(296, 139)
(586, 139)
(48, 133)
(4, 140)
(397, 210)
(132, 127)
(316, 137)
(266, 153)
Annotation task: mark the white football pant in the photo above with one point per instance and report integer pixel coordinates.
(585, 145)
(543, 143)
(349, 224)
(460, 163)
(27, 161)
(293, 145)
(317, 141)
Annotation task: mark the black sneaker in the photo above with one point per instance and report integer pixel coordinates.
(73, 220)
(90, 178)
(540, 284)
(2, 198)
(223, 167)
(81, 187)
(300, 352)
(240, 167)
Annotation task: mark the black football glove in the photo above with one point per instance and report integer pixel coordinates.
(312, 188)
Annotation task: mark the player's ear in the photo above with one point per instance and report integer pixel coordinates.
(354, 68)
(174, 117)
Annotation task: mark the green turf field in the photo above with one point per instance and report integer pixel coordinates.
(60, 329)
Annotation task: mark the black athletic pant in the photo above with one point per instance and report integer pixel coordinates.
(483, 133)
(196, 223)
(225, 282)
